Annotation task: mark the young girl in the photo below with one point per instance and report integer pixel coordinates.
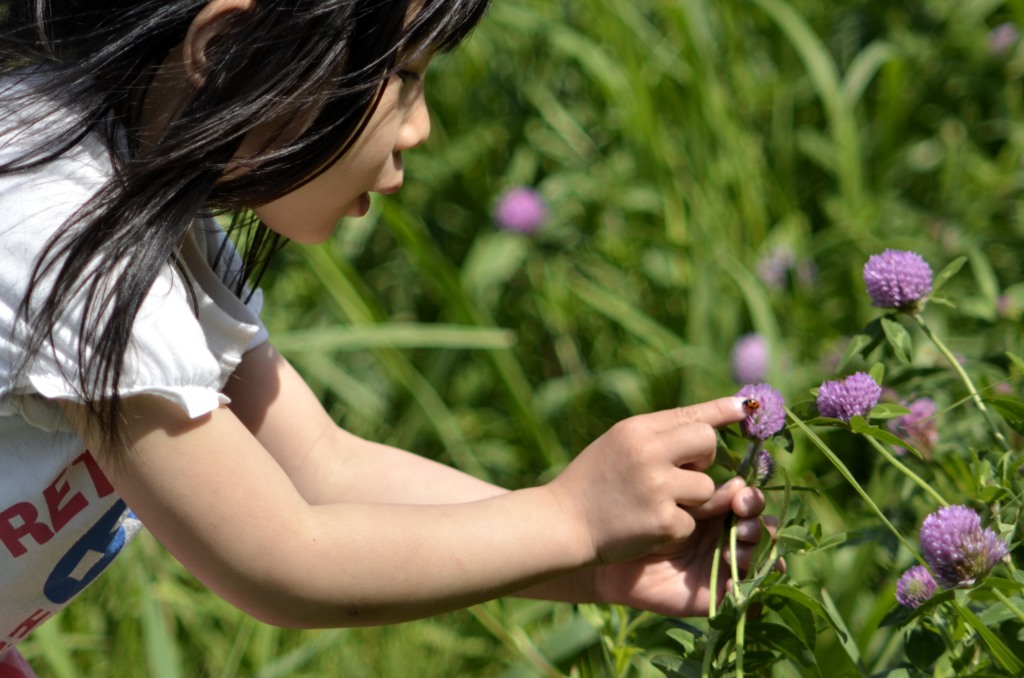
(134, 371)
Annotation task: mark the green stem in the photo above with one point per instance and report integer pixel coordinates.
(705, 669)
(741, 625)
(891, 458)
(748, 460)
(734, 568)
(1008, 603)
(845, 472)
(742, 621)
(971, 389)
(716, 559)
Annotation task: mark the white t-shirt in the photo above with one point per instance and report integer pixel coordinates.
(61, 523)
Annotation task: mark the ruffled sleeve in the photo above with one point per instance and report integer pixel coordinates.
(183, 346)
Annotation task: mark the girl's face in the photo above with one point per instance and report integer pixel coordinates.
(401, 121)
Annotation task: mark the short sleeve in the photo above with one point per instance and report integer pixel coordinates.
(189, 336)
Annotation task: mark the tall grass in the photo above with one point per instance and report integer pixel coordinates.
(682, 147)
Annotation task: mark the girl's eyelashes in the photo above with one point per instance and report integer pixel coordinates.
(408, 76)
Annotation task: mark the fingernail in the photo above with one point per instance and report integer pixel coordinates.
(739, 404)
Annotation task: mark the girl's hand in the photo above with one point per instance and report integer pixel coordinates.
(640, 489)
(674, 580)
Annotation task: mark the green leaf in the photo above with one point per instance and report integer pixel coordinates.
(862, 344)
(887, 411)
(858, 423)
(899, 339)
(951, 269)
(781, 638)
(845, 472)
(845, 637)
(393, 335)
(1002, 654)
(1016, 360)
(901, 616)
(884, 436)
(683, 637)
(805, 409)
(924, 647)
(984, 275)
(839, 539)
(797, 537)
(1011, 409)
(796, 597)
(801, 620)
(993, 493)
(877, 373)
(1001, 583)
(675, 667)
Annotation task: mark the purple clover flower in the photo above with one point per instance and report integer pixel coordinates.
(769, 418)
(1003, 38)
(773, 268)
(856, 394)
(750, 359)
(521, 209)
(915, 587)
(955, 547)
(897, 279)
(918, 426)
(764, 466)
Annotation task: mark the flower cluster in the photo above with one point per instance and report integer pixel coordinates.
(915, 587)
(918, 426)
(1003, 38)
(854, 395)
(769, 417)
(957, 550)
(750, 359)
(897, 279)
(764, 466)
(521, 209)
(775, 266)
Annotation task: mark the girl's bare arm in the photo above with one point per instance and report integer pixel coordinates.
(326, 463)
(300, 524)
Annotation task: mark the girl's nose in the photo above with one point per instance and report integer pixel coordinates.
(416, 126)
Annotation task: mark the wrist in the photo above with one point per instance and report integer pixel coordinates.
(574, 529)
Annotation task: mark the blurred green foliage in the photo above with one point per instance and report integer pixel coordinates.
(712, 169)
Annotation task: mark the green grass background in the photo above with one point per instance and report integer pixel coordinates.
(678, 145)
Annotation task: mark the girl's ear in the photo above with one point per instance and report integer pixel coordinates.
(211, 22)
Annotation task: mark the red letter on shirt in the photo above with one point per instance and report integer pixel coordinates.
(99, 481)
(11, 536)
(54, 494)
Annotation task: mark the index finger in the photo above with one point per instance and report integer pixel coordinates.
(716, 413)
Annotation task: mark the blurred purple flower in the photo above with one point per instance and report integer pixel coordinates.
(856, 394)
(768, 418)
(918, 426)
(1004, 306)
(897, 279)
(764, 466)
(955, 547)
(915, 587)
(807, 272)
(773, 268)
(521, 209)
(1003, 38)
(750, 359)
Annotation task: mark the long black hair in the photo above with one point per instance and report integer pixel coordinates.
(276, 62)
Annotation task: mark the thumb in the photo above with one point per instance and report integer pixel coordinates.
(720, 502)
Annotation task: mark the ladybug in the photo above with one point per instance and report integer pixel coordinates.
(752, 404)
